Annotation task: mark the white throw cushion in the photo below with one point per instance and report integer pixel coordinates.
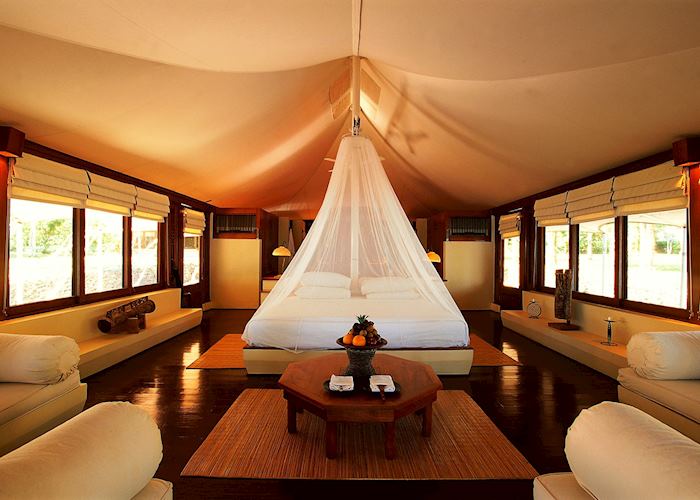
(331, 280)
(386, 284)
(322, 292)
(665, 355)
(404, 295)
(617, 451)
(37, 359)
(109, 451)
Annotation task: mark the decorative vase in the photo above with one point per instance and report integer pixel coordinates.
(360, 365)
(360, 361)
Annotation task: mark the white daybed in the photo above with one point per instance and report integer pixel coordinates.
(39, 386)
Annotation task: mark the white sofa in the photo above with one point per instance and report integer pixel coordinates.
(110, 451)
(39, 386)
(663, 378)
(616, 451)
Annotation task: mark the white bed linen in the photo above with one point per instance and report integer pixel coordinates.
(298, 325)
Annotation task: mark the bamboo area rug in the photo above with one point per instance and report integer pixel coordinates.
(228, 353)
(251, 441)
(487, 355)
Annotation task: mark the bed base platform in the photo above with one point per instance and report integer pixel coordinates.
(446, 361)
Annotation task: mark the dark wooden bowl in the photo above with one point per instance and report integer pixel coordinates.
(382, 343)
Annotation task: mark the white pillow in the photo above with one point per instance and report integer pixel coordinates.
(386, 284)
(331, 280)
(322, 292)
(37, 359)
(665, 355)
(617, 451)
(405, 295)
(111, 450)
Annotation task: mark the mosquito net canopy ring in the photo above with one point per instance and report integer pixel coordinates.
(361, 256)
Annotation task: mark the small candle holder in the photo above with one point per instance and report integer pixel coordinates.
(609, 321)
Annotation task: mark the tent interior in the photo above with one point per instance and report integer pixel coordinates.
(205, 200)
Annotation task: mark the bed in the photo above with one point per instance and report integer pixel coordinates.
(298, 324)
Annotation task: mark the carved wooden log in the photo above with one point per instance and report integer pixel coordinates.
(119, 315)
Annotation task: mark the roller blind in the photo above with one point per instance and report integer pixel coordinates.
(509, 225)
(654, 189)
(551, 211)
(194, 221)
(109, 195)
(591, 202)
(36, 179)
(150, 205)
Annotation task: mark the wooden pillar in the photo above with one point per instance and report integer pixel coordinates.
(694, 242)
(5, 165)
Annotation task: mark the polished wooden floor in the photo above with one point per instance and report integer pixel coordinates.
(532, 404)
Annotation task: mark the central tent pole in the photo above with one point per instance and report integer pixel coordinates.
(354, 174)
(355, 95)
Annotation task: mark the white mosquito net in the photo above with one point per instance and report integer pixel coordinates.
(362, 234)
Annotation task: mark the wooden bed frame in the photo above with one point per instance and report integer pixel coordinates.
(445, 361)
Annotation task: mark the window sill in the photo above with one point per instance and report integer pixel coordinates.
(19, 311)
(628, 305)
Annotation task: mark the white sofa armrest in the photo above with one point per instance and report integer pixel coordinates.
(111, 450)
(37, 359)
(618, 451)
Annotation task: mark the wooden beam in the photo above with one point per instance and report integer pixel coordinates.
(11, 142)
(686, 152)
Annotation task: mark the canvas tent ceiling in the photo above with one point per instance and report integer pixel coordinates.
(471, 103)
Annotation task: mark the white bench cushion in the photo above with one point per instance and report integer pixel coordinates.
(156, 489)
(17, 399)
(617, 451)
(681, 396)
(558, 486)
(665, 355)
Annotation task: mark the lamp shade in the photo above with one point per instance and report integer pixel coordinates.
(433, 257)
(281, 251)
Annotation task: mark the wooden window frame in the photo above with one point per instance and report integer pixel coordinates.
(620, 301)
(169, 243)
(79, 296)
(540, 266)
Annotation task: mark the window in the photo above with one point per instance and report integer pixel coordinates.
(657, 258)
(191, 259)
(556, 252)
(104, 251)
(596, 257)
(41, 252)
(511, 262)
(144, 252)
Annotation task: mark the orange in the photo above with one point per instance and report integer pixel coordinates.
(347, 339)
(359, 341)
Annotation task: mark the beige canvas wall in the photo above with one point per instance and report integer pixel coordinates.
(468, 269)
(591, 317)
(235, 280)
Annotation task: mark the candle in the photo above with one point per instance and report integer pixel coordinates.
(609, 319)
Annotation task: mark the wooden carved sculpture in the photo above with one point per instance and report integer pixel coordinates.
(130, 317)
(562, 300)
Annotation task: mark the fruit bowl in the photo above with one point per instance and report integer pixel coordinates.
(382, 342)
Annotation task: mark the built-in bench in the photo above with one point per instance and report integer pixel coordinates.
(98, 350)
(583, 346)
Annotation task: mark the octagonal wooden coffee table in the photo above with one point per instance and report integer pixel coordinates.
(302, 384)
